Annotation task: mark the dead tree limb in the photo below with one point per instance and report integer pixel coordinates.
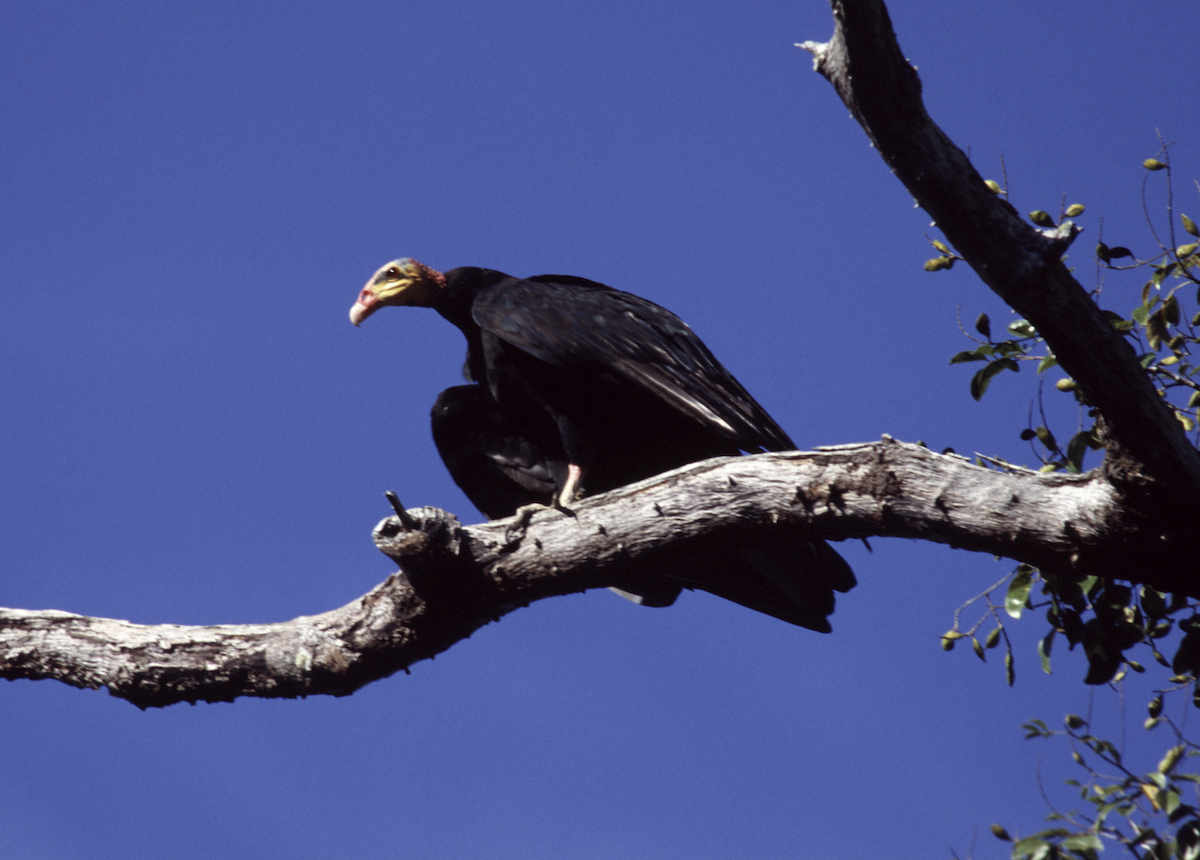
(455, 579)
(1021, 264)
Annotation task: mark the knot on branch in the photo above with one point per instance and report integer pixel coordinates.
(818, 51)
(427, 544)
(1049, 246)
(419, 532)
(1059, 239)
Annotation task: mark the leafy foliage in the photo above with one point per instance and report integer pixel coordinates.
(1164, 333)
(1106, 618)
(1152, 814)
(1103, 616)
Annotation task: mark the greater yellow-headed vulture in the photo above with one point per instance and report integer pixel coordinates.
(581, 388)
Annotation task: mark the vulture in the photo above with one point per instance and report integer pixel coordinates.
(579, 388)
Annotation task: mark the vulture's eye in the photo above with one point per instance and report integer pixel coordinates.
(393, 272)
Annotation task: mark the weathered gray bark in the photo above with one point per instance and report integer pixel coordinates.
(1149, 461)
(457, 579)
(1136, 518)
(1022, 265)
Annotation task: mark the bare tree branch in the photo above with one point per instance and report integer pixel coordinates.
(1021, 264)
(457, 579)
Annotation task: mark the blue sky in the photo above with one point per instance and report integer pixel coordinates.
(194, 433)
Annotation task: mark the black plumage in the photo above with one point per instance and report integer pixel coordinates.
(583, 388)
(486, 453)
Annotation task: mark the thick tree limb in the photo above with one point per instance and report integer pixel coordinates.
(457, 579)
(1021, 264)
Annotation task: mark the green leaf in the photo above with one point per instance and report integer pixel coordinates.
(1170, 802)
(1036, 729)
(1075, 210)
(1065, 385)
(1018, 591)
(1000, 833)
(1022, 328)
(993, 639)
(1106, 748)
(1046, 363)
(983, 378)
(1046, 438)
(1044, 646)
(1038, 846)
(1187, 250)
(1161, 272)
(1031, 848)
(1074, 721)
(1119, 252)
(1174, 754)
(993, 185)
(984, 326)
(1102, 253)
(1153, 164)
(1171, 309)
(1076, 448)
(1102, 647)
(1042, 219)
(1190, 225)
(1011, 347)
(938, 263)
(1156, 329)
(1083, 842)
(1052, 833)
(940, 247)
(1156, 705)
(1010, 672)
(967, 355)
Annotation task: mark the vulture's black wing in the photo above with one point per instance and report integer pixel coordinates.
(500, 470)
(487, 455)
(572, 322)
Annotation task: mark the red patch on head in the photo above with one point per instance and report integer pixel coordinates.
(434, 275)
